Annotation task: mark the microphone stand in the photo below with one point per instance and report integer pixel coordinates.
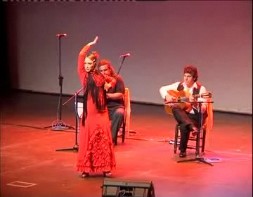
(200, 129)
(75, 147)
(59, 125)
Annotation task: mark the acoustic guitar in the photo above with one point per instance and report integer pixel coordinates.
(181, 98)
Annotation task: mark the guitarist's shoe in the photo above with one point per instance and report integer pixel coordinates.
(182, 154)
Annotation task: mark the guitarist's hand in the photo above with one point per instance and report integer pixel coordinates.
(169, 99)
(193, 99)
(187, 107)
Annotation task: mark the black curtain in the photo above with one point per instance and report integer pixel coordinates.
(5, 81)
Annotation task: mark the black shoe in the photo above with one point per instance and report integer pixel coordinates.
(85, 174)
(114, 142)
(182, 154)
(107, 174)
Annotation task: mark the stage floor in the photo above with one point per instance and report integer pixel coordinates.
(34, 162)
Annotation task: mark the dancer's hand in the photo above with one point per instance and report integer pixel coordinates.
(94, 41)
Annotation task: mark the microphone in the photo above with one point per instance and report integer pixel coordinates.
(61, 35)
(125, 55)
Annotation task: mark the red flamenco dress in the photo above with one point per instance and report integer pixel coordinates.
(95, 153)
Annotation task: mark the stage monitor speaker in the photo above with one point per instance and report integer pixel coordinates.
(127, 188)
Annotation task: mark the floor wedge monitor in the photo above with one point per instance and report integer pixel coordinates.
(127, 188)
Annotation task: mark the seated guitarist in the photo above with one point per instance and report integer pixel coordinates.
(179, 97)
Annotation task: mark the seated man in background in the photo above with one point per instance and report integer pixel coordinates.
(186, 113)
(115, 97)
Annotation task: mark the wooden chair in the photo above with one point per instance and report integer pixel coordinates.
(206, 127)
(126, 122)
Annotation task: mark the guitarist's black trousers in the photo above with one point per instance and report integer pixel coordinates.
(186, 122)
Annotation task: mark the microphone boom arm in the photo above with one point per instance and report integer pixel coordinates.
(122, 61)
